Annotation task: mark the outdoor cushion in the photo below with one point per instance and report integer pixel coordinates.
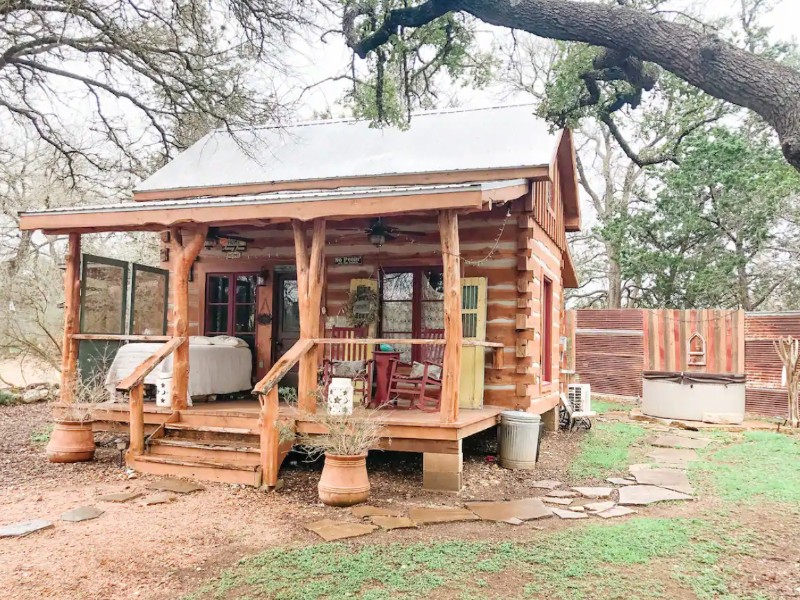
(228, 340)
(349, 368)
(199, 340)
(418, 371)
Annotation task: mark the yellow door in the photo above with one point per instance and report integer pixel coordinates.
(473, 322)
(372, 330)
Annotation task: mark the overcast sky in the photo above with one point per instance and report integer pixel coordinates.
(315, 61)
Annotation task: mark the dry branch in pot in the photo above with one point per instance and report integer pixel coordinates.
(345, 435)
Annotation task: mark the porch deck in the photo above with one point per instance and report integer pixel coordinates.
(406, 430)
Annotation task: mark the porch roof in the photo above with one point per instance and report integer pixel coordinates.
(272, 206)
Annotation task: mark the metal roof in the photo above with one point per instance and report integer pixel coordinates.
(435, 142)
(287, 197)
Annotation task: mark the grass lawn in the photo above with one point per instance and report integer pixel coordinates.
(589, 561)
(606, 450)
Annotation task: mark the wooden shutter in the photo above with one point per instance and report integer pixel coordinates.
(473, 322)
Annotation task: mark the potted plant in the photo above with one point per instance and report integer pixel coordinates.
(345, 444)
(72, 439)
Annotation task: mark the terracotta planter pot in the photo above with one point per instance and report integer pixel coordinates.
(344, 480)
(71, 441)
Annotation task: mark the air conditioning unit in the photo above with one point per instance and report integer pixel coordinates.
(580, 399)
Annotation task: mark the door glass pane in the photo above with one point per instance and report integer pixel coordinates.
(217, 289)
(218, 319)
(290, 307)
(245, 319)
(398, 286)
(250, 338)
(149, 300)
(397, 317)
(103, 301)
(432, 315)
(245, 289)
(432, 285)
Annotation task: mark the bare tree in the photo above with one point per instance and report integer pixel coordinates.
(143, 69)
(632, 37)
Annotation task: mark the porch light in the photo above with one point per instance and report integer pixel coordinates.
(377, 239)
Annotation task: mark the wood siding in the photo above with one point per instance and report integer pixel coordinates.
(507, 247)
(765, 394)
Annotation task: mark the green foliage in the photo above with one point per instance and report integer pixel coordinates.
(8, 398)
(575, 563)
(695, 245)
(42, 436)
(605, 450)
(605, 406)
(408, 71)
(758, 466)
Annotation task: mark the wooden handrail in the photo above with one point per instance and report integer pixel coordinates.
(143, 370)
(109, 337)
(283, 365)
(134, 385)
(400, 341)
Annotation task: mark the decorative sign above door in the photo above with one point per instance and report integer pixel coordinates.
(232, 248)
(348, 260)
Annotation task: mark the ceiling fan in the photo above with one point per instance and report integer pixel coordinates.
(378, 232)
(215, 236)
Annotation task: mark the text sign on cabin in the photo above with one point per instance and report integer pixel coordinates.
(348, 260)
(233, 248)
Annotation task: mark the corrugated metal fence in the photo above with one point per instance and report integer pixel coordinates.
(611, 348)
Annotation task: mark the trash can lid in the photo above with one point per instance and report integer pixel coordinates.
(520, 416)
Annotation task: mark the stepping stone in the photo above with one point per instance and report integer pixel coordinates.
(170, 484)
(680, 441)
(546, 484)
(374, 511)
(82, 513)
(389, 522)
(120, 497)
(617, 511)
(594, 492)
(525, 510)
(562, 494)
(423, 516)
(514, 521)
(638, 467)
(330, 530)
(673, 456)
(620, 481)
(577, 508)
(561, 501)
(672, 479)
(640, 495)
(162, 498)
(569, 514)
(23, 528)
(597, 507)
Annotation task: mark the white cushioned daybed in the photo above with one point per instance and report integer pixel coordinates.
(218, 365)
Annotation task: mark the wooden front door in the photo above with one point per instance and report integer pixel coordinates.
(287, 321)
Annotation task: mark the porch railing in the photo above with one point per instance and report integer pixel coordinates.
(134, 385)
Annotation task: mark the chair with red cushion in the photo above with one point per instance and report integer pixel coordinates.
(419, 385)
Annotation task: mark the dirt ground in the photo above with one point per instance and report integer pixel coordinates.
(164, 551)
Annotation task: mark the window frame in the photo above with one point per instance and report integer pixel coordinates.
(547, 330)
(232, 304)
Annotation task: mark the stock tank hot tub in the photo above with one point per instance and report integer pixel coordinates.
(708, 397)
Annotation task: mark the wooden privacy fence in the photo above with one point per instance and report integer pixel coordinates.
(610, 349)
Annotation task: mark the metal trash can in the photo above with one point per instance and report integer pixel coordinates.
(519, 439)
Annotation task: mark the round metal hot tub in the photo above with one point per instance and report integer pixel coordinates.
(709, 397)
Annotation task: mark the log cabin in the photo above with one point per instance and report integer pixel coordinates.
(454, 228)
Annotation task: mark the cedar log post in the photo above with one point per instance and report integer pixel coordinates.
(310, 279)
(270, 438)
(182, 255)
(72, 302)
(451, 365)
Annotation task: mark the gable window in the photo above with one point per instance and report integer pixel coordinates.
(547, 330)
(411, 305)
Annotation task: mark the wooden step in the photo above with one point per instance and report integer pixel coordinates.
(232, 453)
(225, 420)
(206, 434)
(204, 470)
(182, 426)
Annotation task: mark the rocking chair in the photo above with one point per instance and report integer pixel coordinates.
(419, 385)
(349, 361)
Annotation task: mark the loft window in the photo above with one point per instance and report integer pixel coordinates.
(697, 350)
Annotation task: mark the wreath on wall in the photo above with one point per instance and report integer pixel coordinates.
(361, 308)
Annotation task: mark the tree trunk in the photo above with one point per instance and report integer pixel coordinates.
(742, 283)
(702, 59)
(614, 276)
